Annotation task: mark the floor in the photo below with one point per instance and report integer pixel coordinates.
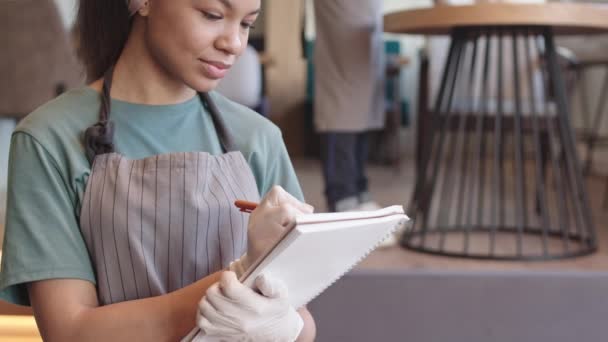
(391, 185)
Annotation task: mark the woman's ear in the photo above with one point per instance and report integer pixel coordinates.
(144, 11)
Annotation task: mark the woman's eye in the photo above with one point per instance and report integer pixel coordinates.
(211, 16)
(247, 26)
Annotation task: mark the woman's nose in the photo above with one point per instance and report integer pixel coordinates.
(231, 40)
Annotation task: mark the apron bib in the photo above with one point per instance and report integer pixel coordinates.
(157, 224)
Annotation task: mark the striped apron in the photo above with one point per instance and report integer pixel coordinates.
(157, 224)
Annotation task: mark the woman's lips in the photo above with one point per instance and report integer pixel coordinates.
(215, 70)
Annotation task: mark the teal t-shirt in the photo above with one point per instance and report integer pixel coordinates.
(48, 172)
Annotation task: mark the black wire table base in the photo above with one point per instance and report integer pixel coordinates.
(499, 177)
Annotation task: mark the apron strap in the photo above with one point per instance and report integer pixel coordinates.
(98, 139)
(223, 133)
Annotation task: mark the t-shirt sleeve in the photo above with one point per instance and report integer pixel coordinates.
(278, 168)
(42, 237)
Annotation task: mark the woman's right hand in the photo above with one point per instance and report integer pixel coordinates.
(277, 210)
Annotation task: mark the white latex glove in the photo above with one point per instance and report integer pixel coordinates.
(277, 210)
(234, 312)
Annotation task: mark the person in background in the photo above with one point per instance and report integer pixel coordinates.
(349, 100)
(243, 84)
(120, 213)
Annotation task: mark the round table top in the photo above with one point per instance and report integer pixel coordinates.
(564, 18)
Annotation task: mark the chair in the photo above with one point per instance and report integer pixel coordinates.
(578, 66)
(582, 62)
(386, 143)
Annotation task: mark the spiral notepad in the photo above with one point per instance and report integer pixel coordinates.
(321, 248)
(318, 250)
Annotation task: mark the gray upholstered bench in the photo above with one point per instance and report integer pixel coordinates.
(451, 306)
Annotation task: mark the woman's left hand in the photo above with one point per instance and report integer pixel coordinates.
(232, 310)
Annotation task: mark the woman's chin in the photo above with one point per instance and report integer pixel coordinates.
(203, 84)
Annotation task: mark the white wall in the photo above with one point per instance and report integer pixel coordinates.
(67, 9)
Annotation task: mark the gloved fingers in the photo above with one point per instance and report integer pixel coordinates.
(202, 337)
(287, 214)
(215, 320)
(214, 329)
(207, 310)
(278, 196)
(281, 216)
(266, 227)
(213, 295)
(272, 216)
(284, 215)
(239, 266)
(214, 305)
(271, 287)
(231, 298)
(239, 294)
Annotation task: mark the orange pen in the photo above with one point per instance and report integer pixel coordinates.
(245, 206)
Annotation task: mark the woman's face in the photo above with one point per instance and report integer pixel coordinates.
(197, 41)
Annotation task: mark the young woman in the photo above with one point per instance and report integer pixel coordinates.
(120, 211)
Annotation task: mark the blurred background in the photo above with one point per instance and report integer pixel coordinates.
(397, 293)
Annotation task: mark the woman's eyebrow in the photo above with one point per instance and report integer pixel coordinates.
(229, 6)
